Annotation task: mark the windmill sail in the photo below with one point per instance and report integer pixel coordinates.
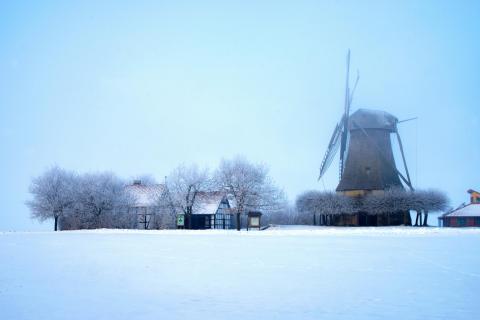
(339, 139)
(331, 150)
(343, 146)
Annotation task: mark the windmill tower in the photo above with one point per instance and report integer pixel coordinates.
(367, 162)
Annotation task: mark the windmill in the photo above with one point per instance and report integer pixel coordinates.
(366, 156)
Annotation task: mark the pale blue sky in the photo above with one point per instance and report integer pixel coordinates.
(140, 87)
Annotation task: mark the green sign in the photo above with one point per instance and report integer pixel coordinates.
(180, 220)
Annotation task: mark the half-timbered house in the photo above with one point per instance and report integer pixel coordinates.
(212, 210)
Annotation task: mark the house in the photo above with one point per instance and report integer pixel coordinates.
(153, 206)
(467, 215)
(212, 210)
(150, 203)
(474, 196)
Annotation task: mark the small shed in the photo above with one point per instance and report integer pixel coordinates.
(467, 215)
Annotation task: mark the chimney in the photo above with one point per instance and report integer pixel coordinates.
(474, 196)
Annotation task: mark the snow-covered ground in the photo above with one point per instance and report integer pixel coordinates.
(280, 273)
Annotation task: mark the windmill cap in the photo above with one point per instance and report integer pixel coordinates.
(372, 119)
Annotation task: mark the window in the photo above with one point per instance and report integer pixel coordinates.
(222, 221)
(222, 218)
(477, 221)
(453, 222)
(470, 222)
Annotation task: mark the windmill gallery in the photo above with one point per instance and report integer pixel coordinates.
(370, 190)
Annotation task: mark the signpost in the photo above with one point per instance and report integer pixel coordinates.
(253, 220)
(180, 221)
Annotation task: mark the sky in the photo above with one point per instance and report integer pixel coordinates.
(139, 87)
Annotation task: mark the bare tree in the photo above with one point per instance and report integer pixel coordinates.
(52, 194)
(306, 202)
(432, 200)
(289, 215)
(97, 196)
(165, 211)
(250, 186)
(120, 218)
(427, 201)
(392, 200)
(184, 183)
(326, 204)
(416, 204)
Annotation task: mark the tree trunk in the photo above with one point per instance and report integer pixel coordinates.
(56, 223)
(425, 223)
(189, 216)
(314, 219)
(238, 220)
(408, 219)
(416, 219)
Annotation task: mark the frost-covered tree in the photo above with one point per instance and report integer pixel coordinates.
(184, 183)
(392, 200)
(428, 201)
(53, 194)
(250, 186)
(97, 197)
(398, 200)
(164, 207)
(325, 203)
(288, 215)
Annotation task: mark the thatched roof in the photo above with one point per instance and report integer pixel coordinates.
(145, 195)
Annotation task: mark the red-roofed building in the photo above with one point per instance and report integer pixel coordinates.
(467, 215)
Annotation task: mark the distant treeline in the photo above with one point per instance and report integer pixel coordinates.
(101, 200)
(93, 200)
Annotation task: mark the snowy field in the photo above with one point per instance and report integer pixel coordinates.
(284, 273)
